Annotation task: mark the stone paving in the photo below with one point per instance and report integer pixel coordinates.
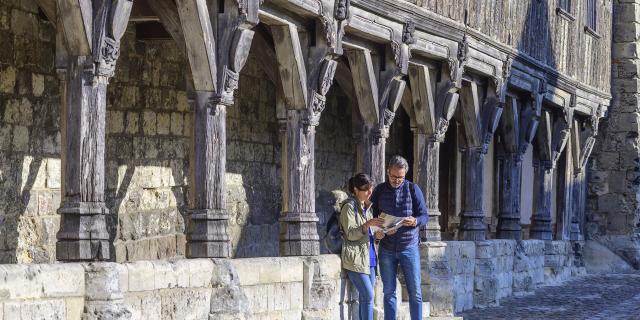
(592, 297)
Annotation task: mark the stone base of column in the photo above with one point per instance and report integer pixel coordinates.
(83, 234)
(103, 296)
(431, 231)
(472, 226)
(540, 228)
(509, 228)
(299, 234)
(208, 234)
(574, 230)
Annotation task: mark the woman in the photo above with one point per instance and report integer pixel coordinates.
(358, 252)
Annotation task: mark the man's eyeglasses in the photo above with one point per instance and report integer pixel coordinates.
(396, 178)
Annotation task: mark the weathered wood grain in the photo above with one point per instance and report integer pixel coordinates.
(167, 12)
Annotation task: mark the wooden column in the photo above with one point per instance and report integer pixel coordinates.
(480, 120)
(431, 110)
(551, 139)
(472, 226)
(426, 175)
(298, 234)
(306, 77)
(217, 40)
(541, 218)
(583, 139)
(519, 124)
(92, 32)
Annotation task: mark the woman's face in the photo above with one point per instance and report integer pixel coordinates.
(364, 194)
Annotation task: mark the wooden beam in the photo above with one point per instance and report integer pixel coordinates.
(510, 125)
(292, 67)
(199, 42)
(77, 23)
(167, 12)
(544, 135)
(470, 111)
(365, 85)
(423, 99)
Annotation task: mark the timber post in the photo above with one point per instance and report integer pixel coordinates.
(432, 109)
(92, 33)
(306, 76)
(480, 120)
(217, 40)
(519, 125)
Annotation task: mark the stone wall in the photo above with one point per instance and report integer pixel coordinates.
(461, 275)
(613, 215)
(258, 288)
(29, 135)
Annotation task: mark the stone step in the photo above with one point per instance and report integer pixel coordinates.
(403, 311)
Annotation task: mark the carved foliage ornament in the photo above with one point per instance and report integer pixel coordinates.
(106, 56)
(441, 129)
(388, 117)
(456, 65)
(325, 81)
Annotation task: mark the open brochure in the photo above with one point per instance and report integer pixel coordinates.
(391, 223)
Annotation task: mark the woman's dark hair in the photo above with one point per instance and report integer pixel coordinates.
(360, 181)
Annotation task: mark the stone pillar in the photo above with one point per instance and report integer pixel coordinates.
(472, 226)
(103, 298)
(509, 190)
(92, 50)
(541, 219)
(298, 231)
(426, 175)
(207, 231)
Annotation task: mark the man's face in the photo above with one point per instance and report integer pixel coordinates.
(396, 176)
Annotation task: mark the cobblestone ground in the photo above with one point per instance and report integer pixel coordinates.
(592, 297)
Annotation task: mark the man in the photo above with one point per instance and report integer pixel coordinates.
(401, 198)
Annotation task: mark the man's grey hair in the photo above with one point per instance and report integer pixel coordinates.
(398, 162)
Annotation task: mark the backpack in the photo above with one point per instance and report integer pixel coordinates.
(333, 237)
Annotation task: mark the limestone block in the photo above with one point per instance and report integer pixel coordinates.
(24, 24)
(200, 273)
(20, 282)
(149, 123)
(522, 263)
(533, 247)
(20, 138)
(165, 275)
(151, 306)
(177, 120)
(258, 298)
(297, 291)
(134, 305)
(485, 249)
(185, 304)
(73, 308)
(59, 280)
(505, 281)
(11, 310)
(505, 247)
(7, 79)
(19, 112)
(141, 276)
(504, 263)
(523, 282)
(132, 122)
(555, 260)
(164, 123)
(485, 267)
(555, 247)
(463, 302)
(53, 173)
(485, 291)
(37, 84)
(115, 121)
(42, 309)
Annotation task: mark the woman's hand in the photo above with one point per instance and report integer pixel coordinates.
(375, 222)
(379, 234)
(410, 222)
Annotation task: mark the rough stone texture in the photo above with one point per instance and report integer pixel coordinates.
(559, 262)
(613, 215)
(599, 259)
(528, 266)
(603, 297)
(29, 136)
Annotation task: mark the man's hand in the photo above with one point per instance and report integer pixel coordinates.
(379, 234)
(409, 222)
(392, 232)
